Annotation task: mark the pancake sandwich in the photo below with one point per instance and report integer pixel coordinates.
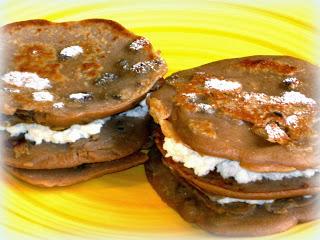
(73, 99)
(237, 144)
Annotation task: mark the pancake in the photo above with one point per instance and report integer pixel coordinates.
(224, 109)
(70, 176)
(238, 144)
(236, 219)
(119, 137)
(214, 183)
(265, 189)
(96, 68)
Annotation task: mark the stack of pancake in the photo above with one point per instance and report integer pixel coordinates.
(72, 99)
(237, 144)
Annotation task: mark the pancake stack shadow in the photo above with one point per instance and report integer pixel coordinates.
(73, 99)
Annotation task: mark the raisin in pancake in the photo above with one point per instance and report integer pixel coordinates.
(120, 136)
(214, 183)
(235, 219)
(259, 110)
(94, 69)
(70, 176)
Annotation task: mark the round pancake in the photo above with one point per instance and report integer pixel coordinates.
(264, 189)
(236, 219)
(115, 69)
(119, 137)
(70, 176)
(222, 124)
(213, 183)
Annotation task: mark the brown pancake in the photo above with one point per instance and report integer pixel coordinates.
(116, 69)
(213, 183)
(70, 176)
(224, 125)
(119, 137)
(236, 219)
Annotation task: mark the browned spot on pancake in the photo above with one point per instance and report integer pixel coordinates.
(91, 69)
(267, 65)
(38, 58)
(203, 127)
(237, 219)
(70, 176)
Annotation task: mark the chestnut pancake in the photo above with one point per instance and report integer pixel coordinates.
(213, 183)
(48, 157)
(120, 136)
(225, 108)
(239, 143)
(60, 74)
(234, 219)
(70, 176)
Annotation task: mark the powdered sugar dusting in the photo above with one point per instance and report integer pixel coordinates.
(292, 120)
(146, 66)
(205, 108)
(291, 97)
(58, 105)
(42, 96)
(138, 44)
(290, 80)
(259, 97)
(296, 97)
(274, 132)
(11, 90)
(221, 85)
(79, 96)
(71, 51)
(26, 79)
(192, 97)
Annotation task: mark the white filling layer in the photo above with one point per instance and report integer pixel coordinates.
(227, 200)
(203, 164)
(139, 111)
(38, 133)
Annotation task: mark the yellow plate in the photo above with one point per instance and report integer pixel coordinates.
(189, 33)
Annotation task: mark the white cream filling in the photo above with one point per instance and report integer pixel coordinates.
(203, 164)
(38, 133)
(227, 200)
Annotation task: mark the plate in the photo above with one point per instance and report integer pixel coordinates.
(188, 33)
